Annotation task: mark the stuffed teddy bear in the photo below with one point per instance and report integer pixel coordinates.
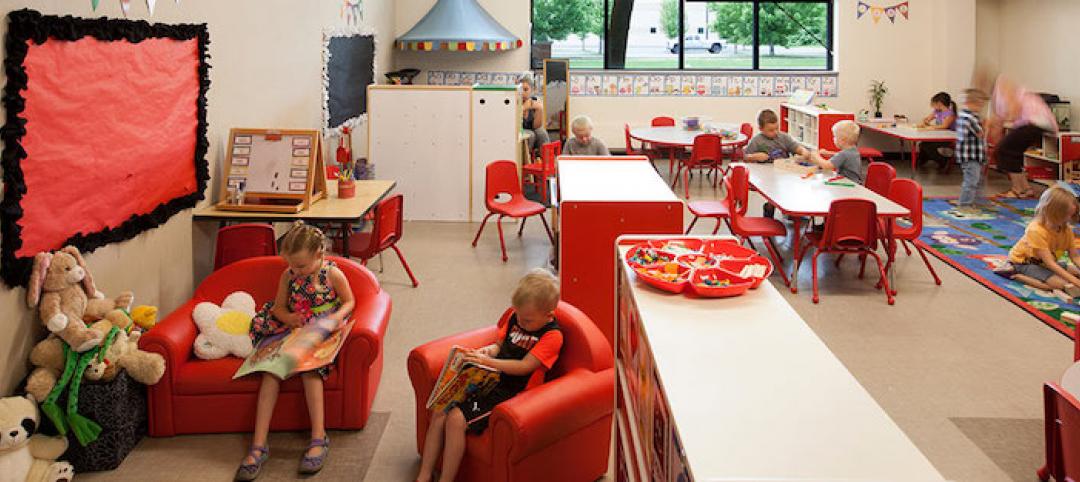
(25, 456)
(224, 329)
(63, 291)
(123, 354)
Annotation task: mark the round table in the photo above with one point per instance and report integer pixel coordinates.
(679, 137)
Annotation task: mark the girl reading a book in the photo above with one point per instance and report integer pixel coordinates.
(527, 346)
(311, 288)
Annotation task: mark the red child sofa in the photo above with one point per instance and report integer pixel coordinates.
(560, 430)
(200, 396)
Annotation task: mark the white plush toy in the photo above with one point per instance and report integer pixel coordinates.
(25, 456)
(223, 330)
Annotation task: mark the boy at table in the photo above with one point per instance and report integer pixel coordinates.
(771, 144)
(847, 162)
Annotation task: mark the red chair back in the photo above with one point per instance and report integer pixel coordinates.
(738, 184)
(240, 241)
(708, 149)
(584, 345)
(663, 121)
(747, 130)
(879, 176)
(548, 153)
(501, 177)
(260, 276)
(851, 224)
(908, 193)
(387, 227)
(629, 145)
(1062, 432)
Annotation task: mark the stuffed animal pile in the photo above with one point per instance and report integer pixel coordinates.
(92, 338)
(24, 455)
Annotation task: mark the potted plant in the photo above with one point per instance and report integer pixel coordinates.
(877, 96)
(346, 185)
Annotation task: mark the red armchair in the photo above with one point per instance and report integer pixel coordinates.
(560, 430)
(200, 396)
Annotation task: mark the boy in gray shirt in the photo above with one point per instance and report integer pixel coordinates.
(583, 143)
(847, 162)
(771, 144)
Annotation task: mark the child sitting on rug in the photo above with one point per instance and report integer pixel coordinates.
(1035, 259)
(527, 347)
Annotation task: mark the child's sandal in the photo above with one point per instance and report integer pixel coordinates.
(312, 465)
(251, 471)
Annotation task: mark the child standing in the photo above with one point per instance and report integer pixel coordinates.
(1034, 260)
(583, 143)
(311, 286)
(528, 346)
(771, 144)
(847, 162)
(971, 147)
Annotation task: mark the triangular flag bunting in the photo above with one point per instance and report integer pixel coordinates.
(125, 6)
(903, 7)
(862, 9)
(875, 13)
(150, 5)
(891, 14)
(94, 4)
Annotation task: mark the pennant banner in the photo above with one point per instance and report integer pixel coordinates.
(351, 10)
(125, 6)
(94, 4)
(877, 12)
(150, 5)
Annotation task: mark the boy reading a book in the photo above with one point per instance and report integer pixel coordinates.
(527, 347)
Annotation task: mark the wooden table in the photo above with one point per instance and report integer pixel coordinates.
(749, 390)
(330, 210)
(798, 197)
(912, 135)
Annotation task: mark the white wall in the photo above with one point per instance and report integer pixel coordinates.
(933, 50)
(1037, 44)
(265, 71)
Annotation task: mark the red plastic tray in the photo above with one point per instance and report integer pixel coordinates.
(672, 286)
(661, 255)
(729, 249)
(676, 245)
(688, 260)
(735, 266)
(737, 287)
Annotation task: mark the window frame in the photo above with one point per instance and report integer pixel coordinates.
(829, 40)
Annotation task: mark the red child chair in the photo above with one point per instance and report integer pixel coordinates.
(201, 396)
(870, 154)
(560, 430)
(851, 227)
(240, 241)
(908, 194)
(501, 178)
(385, 233)
(536, 174)
(879, 176)
(705, 154)
(662, 150)
(1062, 421)
(630, 150)
(747, 227)
(712, 209)
(737, 151)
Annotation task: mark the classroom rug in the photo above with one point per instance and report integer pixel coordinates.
(976, 244)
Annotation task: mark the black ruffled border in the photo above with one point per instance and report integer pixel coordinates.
(29, 25)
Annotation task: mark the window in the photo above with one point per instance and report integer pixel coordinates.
(685, 34)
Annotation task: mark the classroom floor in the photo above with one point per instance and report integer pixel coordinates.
(957, 367)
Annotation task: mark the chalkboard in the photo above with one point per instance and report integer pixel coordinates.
(349, 67)
(556, 98)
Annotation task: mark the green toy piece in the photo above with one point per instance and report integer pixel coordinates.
(86, 431)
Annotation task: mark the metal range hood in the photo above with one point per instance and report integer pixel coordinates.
(458, 25)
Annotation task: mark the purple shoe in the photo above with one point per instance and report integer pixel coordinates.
(248, 472)
(312, 465)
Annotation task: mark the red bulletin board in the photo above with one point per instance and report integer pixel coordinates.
(106, 135)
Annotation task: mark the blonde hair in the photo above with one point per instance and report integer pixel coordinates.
(847, 130)
(538, 288)
(766, 116)
(581, 122)
(1053, 207)
(303, 237)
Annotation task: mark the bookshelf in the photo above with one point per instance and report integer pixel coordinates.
(811, 125)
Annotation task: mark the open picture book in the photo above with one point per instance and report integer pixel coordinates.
(311, 346)
(459, 380)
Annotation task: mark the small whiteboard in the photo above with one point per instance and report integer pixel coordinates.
(277, 170)
(419, 136)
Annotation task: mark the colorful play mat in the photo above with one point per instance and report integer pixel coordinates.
(978, 243)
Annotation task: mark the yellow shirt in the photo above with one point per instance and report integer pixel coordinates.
(1037, 236)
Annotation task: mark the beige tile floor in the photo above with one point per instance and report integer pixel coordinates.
(957, 367)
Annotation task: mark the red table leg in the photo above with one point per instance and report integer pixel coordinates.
(793, 281)
(914, 158)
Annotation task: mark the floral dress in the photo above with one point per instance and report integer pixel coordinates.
(310, 296)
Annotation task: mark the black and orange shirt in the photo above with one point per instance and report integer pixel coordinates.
(516, 342)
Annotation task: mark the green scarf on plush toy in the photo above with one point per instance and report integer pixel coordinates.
(85, 430)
